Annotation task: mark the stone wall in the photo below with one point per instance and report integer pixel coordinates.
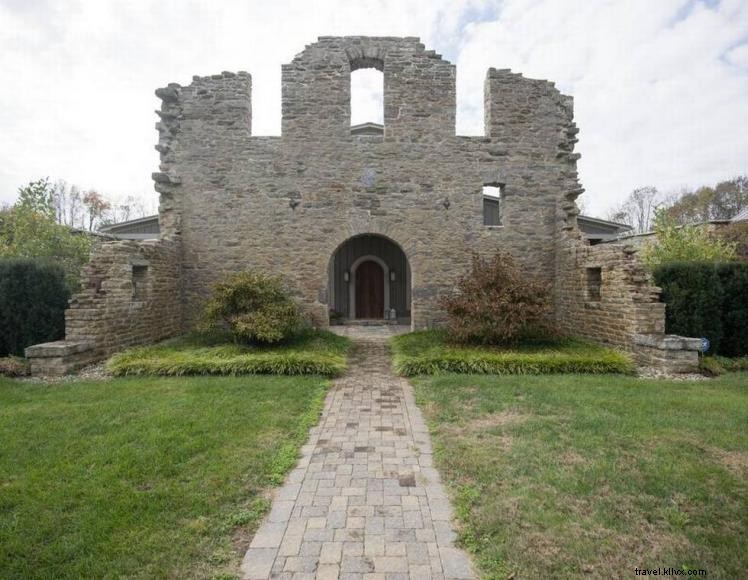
(603, 293)
(625, 304)
(130, 296)
(284, 204)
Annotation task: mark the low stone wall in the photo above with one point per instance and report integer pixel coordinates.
(60, 357)
(130, 296)
(604, 294)
(667, 353)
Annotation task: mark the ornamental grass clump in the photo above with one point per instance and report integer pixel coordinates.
(253, 308)
(497, 303)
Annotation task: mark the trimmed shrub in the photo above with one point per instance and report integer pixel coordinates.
(733, 277)
(253, 308)
(496, 303)
(693, 295)
(33, 298)
(707, 300)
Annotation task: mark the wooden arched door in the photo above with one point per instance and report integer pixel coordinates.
(369, 290)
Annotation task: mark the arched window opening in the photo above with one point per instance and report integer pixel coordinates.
(367, 98)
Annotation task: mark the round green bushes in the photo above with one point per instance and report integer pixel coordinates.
(253, 308)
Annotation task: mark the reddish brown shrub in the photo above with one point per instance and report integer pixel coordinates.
(497, 303)
(12, 366)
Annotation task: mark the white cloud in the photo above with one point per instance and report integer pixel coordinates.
(661, 88)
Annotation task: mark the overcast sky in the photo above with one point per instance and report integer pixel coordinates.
(660, 86)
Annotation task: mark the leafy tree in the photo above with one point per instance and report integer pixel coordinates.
(721, 202)
(36, 197)
(731, 197)
(638, 209)
(29, 230)
(95, 205)
(684, 243)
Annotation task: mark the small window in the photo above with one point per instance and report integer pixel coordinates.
(594, 283)
(491, 205)
(139, 274)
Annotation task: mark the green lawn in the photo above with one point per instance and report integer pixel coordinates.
(314, 352)
(570, 476)
(143, 477)
(429, 353)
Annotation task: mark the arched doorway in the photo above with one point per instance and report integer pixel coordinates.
(369, 279)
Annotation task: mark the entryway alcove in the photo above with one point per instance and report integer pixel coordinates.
(369, 279)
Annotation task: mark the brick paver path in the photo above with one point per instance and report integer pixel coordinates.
(364, 501)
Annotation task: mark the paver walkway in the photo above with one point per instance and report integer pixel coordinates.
(364, 501)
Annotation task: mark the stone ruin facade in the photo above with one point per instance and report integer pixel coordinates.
(361, 225)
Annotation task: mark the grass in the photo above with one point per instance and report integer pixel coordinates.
(429, 353)
(315, 352)
(143, 477)
(569, 476)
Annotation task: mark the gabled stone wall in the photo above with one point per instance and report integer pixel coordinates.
(285, 204)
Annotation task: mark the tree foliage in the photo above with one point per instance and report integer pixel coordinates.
(29, 230)
(253, 308)
(736, 233)
(497, 303)
(720, 202)
(684, 243)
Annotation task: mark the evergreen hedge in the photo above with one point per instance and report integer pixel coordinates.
(33, 298)
(707, 300)
(733, 277)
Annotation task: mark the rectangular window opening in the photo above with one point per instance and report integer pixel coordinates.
(594, 284)
(367, 101)
(139, 276)
(492, 205)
